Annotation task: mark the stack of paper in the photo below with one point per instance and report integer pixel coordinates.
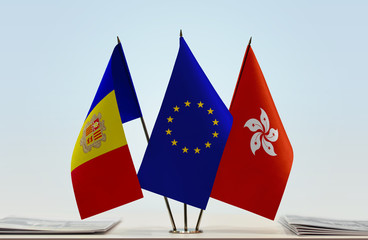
(43, 226)
(322, 226)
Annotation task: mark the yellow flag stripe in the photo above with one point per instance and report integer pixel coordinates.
(113, 135)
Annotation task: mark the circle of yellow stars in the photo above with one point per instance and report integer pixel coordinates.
(207, 144)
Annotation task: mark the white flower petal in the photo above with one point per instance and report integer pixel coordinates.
(253, 125)
(264, 120)
(255, 142)
(273, 135)
(268, 147)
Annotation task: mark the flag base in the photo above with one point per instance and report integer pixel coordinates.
(182, 231)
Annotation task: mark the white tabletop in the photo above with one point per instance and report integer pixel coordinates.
(224, 226)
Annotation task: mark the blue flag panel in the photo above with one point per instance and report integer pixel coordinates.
(189, 136)
(117, 77)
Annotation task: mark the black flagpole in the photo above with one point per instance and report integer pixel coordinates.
(241, 70)
(246, 55)
(185, 205)
(199, 220)
(166, 200)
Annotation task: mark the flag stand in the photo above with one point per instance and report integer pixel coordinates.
(186, 230)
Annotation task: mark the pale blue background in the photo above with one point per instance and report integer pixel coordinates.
(313, 55)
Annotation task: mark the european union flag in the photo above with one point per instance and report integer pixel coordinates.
(189, 136)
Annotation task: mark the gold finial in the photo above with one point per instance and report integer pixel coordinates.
(250, 41)
(118, 39)
(181, 33)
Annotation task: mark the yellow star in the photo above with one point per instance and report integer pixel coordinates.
(200, 104)
(176, 109)
(215, 122)
(185, 150)
(215, 134)
(174, 142)
(208, 144)
(169, 119)
(168, 132)
(210, 111)
(187, 103)
(196, 150)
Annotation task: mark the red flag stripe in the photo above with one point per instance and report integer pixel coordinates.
(101, 183)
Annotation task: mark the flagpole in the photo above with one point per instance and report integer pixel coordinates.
(166, 200)
(199, 220)
(185, 205)
(185, 218)
(241, 71)
(246, 54)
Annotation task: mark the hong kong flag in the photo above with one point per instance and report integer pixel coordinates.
(258, 156)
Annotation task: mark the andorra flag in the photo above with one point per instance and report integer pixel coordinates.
(102, 169)
(258, 156)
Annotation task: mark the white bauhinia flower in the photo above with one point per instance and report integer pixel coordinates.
(263, 134)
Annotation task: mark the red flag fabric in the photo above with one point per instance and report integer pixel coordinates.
(258, 156)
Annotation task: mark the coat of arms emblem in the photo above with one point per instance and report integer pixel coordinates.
(93, 133)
